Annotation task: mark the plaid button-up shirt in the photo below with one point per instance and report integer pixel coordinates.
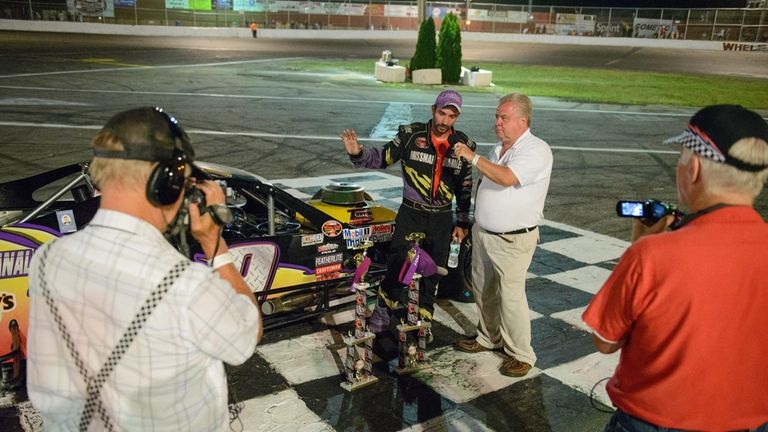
(172, 377)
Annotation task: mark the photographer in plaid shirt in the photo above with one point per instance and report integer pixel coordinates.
(125, 332)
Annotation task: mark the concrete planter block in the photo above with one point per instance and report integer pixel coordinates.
(480, 78)
(389, 73)
(427, 76)
(464, 76)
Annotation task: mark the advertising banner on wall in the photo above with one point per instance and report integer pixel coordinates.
(516, 17)
(347, 9)
(344, 9)
(649, 27)
(125, 3)
(574, 24)
(253, 6)
(104, 8)
(301, 7)
(440, 12)
(603, 28)
(289, 6)
(188, 4)
(401, 11)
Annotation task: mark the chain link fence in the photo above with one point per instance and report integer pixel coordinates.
(741, 25)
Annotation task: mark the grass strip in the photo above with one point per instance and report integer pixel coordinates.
(593, 85)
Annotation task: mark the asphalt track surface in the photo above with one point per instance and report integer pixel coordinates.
(245, 106)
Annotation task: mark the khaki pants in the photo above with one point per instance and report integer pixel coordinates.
(499, 266)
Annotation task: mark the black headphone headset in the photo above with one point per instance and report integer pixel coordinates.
(167, 180)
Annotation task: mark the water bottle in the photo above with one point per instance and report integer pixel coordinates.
(453, 256)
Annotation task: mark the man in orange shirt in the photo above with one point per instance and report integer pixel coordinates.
(687, 307)
(254, 28)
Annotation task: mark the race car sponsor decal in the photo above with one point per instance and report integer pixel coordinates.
(327, 248)
(422, 157)
(358, 216)
(333, 268)
(376, 233)
(66, 219)
(7, 301)
(18, 243)
(15, 263)
(332, 228)
(356, 233)
(324, 260)
(421, 142)
(312, 239)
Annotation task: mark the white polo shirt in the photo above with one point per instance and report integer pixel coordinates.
(499, 208)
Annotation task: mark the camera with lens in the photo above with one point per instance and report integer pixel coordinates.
(219, 212)
(651, 210)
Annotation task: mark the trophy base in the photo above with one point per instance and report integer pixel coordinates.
(362, 382)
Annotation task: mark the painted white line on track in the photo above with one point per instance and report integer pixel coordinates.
(135, 68)
(615, 150)
(394, 115)
(316, 137)
(326, 100)
(38, 102)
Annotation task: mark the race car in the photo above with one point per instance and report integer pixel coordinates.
(297, 256)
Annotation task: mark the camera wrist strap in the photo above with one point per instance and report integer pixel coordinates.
(94, 383)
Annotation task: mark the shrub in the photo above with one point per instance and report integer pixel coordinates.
(449, 49)
(424, 57)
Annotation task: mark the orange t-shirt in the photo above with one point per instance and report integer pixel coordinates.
(691, 304)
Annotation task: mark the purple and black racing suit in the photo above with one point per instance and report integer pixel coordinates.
(422, 210)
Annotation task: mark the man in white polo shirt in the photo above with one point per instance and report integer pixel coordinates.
(509, 206)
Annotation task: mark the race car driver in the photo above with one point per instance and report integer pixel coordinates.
(432, 178)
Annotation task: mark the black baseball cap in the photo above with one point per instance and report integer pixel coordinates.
(713, 130)
(148, 134)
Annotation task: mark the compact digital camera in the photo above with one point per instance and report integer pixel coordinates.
(652, 210)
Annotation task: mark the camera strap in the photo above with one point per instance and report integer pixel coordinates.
(94, 383)
(685, 220)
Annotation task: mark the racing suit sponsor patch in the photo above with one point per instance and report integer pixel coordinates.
(422, 157)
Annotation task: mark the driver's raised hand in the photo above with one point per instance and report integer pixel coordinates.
(349, 138)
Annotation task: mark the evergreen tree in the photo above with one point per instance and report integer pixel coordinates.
(424, 57)
(449, 49)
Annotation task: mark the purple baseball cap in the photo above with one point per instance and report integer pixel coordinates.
(448, 98)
